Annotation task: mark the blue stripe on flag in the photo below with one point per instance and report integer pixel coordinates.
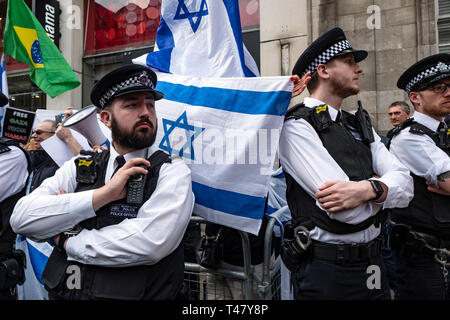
(230, 202)
(232, 8)
(38, 260)
(161, 59)
(241, 101)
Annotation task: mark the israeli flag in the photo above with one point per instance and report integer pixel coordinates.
(200, 38)
(4, 87)
(37, 254)
(227, 131)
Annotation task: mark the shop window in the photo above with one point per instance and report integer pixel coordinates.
(249, 11)
(116, 25)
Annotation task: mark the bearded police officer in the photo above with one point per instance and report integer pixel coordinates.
(14, 171)
(420, 237)
(128, 248)
(339, 175)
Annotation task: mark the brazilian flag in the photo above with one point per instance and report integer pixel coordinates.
(26, 40)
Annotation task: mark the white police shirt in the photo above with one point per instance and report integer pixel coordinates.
(419, 152)
(156, 231)
(304, 157)
(13, 172)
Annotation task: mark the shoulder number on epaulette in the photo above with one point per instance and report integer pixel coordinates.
(4, 149)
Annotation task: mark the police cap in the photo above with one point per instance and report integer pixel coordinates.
(331, 44)
(425, 72)
(123, 80)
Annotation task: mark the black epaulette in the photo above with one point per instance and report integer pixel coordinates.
(415, 128)
(4, 148)
(318, 117)
(299, 111)
(395, 131)
(5, 144)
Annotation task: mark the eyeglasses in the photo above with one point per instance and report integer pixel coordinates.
(437, 88)
(39, 132)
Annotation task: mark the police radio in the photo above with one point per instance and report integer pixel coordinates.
(364, 124)
(136, 185)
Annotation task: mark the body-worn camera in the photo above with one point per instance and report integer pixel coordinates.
(85, 164)
(364, 124)
(295, 245)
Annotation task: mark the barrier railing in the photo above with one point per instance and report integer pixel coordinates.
(267, 285)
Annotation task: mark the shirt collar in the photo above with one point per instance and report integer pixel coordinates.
(427, 121)
(130, 155)
(311, 103)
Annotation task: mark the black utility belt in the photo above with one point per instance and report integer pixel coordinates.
(347, 253)
(434, 241)
(406, 235)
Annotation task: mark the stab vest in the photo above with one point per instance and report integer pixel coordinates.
(7, 236)
(160, 281)
(352, 155)
(428, 212)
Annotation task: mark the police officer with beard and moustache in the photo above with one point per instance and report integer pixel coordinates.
(339, 175)
(124, 250)
(420, 236)
(14, 171)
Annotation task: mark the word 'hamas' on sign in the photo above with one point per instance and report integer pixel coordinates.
(17, 124)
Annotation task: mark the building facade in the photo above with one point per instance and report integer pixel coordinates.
(99, 35)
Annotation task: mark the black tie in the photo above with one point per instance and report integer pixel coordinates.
(121, 161)
(338, 119)
(442, 125)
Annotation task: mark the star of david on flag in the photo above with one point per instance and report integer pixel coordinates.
(200, 38)
(187, 150)
(195, 18)
(227, 131)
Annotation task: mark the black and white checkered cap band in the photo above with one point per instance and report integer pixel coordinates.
(440, 67)
(140, 80)
(328, 55)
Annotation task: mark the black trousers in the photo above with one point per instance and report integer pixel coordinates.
(318, 279)
(419, 275)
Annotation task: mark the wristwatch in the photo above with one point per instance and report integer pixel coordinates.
(378, 188)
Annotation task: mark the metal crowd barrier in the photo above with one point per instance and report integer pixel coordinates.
(198, 277)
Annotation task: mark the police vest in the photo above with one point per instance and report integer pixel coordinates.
(352, 155)
(428, 212)
(7, 236)
(159, 281)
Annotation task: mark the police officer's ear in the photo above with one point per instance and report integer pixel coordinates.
(105, 117)
(415, 98)
(322, 71)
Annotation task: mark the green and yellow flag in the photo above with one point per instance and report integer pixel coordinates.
(26, 40)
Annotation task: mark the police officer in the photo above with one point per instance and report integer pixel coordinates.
(14, 166)
(338, 175)
(420, 237)
(128, 248)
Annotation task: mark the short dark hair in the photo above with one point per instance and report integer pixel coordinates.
(403, 104)
(313, 83)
